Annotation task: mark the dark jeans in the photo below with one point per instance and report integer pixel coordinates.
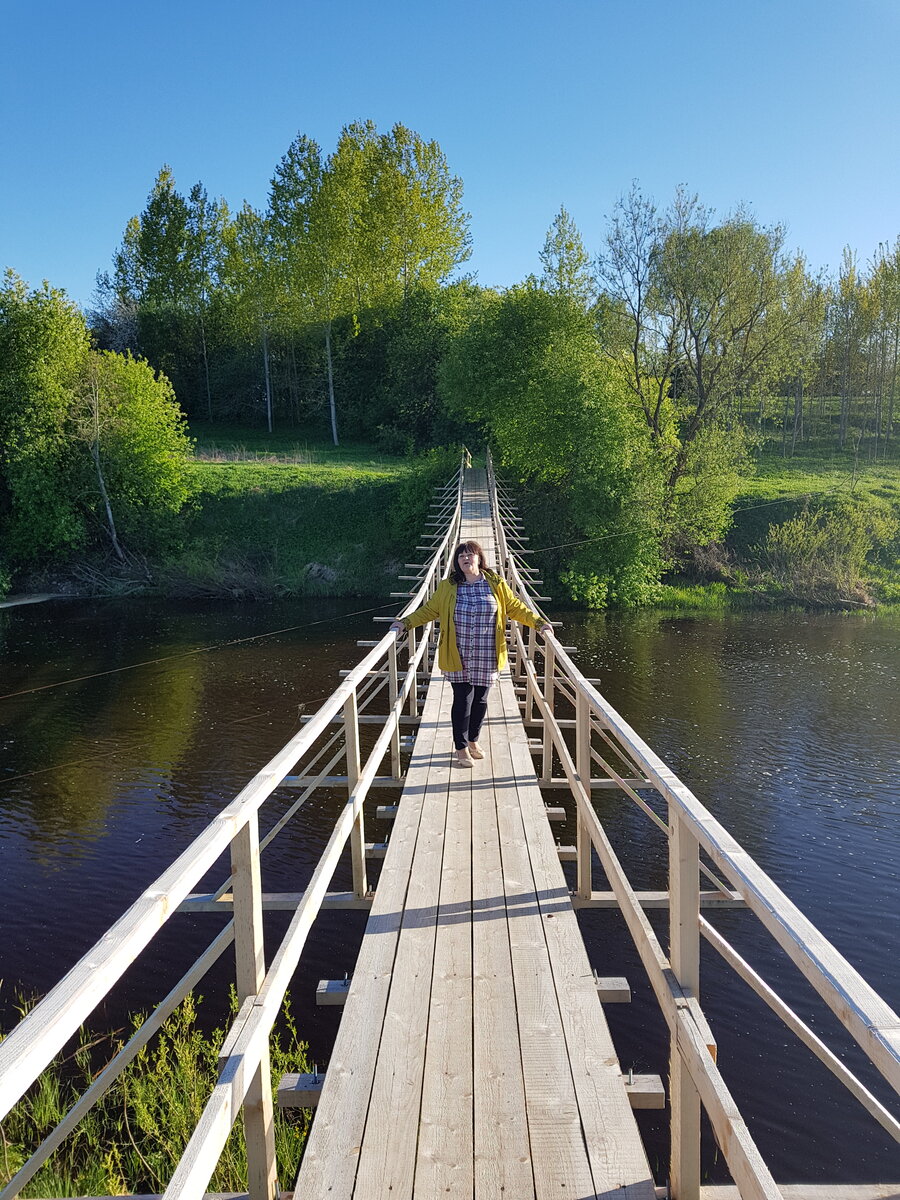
(467, 712)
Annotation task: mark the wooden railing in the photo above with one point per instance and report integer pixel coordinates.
(244, 1084)
(592, 733)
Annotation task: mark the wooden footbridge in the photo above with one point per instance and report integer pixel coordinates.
(473, 1058)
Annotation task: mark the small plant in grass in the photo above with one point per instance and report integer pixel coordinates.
(131, 1140)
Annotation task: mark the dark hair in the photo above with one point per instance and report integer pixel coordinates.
(473, 548)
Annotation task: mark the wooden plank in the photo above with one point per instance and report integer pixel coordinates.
(332, 991)
(684, 955)
(387, 1156)
(616, 1154)
(300, 1091)
(502, 1150)
(444, 1158)
(612, 989)
(258, 1110)
(660, 900)
(812, 1191)
(332, 1150)
(645, 1091)
(559, 1156)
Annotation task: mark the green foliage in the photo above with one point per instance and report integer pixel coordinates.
(819, 556)
(73, 422)
(336, 525)
(388, 373)
(144, 447)
(409, 507)
(43, 348)
(701, 505)
(566, 263)
(528, 368)
(130, 1141)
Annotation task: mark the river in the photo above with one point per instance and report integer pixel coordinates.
(785, 725)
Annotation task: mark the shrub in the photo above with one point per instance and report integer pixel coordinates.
(819, 556)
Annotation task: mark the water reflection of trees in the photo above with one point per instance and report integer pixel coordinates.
(79, 750)
(756, 712)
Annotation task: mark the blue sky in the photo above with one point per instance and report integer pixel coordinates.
(791, 108)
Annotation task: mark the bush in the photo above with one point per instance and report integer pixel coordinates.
(819, 556)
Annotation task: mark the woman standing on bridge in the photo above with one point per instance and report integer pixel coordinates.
(473, 605)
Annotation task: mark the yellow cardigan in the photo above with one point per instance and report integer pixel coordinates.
(440, 607)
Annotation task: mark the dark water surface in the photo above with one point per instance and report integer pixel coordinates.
(786, 726)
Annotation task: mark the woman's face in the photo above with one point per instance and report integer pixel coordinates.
(467, 560)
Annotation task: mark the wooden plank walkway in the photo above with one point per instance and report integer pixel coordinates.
(473, 1057)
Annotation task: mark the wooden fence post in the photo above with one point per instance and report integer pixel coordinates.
(393, 692)
(529, 695)
(684, 954)
(549, 673)
(357, 833)
(250, 962)
(583, 767)
(414, 690)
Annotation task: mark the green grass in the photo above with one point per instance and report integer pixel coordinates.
(274, 517)
(819, 473)
(230, 443)
(693, 597)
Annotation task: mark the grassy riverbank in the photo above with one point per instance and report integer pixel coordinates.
(278, 515)
(817, 529)
(274, 515)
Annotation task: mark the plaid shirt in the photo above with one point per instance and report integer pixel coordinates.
(475, 618)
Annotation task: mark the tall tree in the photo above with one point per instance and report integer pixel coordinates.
(529, 369)
(566, 263)
(415, 220)
(707, 313)
(252, 282)
(43, 346)
(206, 222)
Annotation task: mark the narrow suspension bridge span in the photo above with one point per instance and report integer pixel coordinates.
(473, 1058)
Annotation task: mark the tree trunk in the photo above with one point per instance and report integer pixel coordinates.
(265, 334)
(334, 431)
(101, 482)
(798, 416)
(205, 365)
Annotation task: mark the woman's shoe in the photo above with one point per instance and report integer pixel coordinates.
(475, 750)
(463, 759)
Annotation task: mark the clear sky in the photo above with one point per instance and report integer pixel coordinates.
(790, 107)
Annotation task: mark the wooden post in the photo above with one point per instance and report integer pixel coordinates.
(250, 962)
(549, 672)
(414, 690)
(684, 953)
(583, 767)
(357, 833)
(393, 691)
(529, 696)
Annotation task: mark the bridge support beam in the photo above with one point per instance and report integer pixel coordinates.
(684, 954)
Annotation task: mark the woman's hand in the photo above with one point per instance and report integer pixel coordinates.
(397, 626)
(546, 630)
